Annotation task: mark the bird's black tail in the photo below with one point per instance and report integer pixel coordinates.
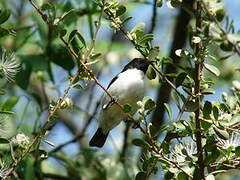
(98, 139)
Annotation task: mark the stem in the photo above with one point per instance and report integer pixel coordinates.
(197, 93)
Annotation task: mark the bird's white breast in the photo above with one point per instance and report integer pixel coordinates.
(128, 88)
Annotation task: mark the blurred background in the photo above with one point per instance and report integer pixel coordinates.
(46, 66)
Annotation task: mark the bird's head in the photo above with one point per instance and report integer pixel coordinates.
(138, 63)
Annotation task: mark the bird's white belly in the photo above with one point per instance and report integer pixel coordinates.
(127, 89)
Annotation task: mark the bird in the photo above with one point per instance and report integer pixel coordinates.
(127, 87)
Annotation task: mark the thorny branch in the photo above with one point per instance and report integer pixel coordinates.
(236, 46)
(197, 93)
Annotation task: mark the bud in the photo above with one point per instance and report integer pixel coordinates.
(66, 103)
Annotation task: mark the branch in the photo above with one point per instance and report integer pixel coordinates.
(164, 91)
(236, 46)
(197, 93)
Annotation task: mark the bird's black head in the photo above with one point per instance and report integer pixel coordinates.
(138, 63)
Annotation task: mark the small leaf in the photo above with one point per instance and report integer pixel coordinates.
(46, 6)
(169, 111)
(226, 46)
(138, 29)
(191, 106)
(4, 141)
(151, 74)
(4, 15)
(212, 69)
(140, 143)
(208, 91)
(127, 108)
(10, 103)
(80, 37)
(220, 13)
(153, 53)
(95, 56)
(126, 20)
(180, 78)
(2, 92)
(182, 176)
(3, 32)
(215, 112)
(149, 104)
(72, 34)
(146, 38)
(63, 32)
(77, 86)
(207, 109)
(140, 176)
(237, 151)
(121, 10)
(223, 134)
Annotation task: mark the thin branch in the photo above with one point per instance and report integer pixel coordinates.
(125, 143)
(154, 17)
(236, 46)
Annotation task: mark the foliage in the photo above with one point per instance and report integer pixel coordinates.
(52, 58)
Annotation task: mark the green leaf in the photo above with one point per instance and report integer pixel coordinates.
(140, 143)
(121, 10)
(3, 32)
(140, 176)
(208, 91)
(223, 134)
(149, 103)
(46, 6)
(71, 35)
(62, 57)
(226, 46)
(78, 86)
(153, 53)
(237, 151)
(169, 111)
(4, 141)
(65, 14)
(215, 112)
(95, 56)
(138, 29)
(23, 76)
(62, 32)
(127, 108)
(76, 33)
(191, 106)
(146, 38)
(207, 109)
(4, 15)
(180, 78)
(126, 20)
(220, 13)
(182, 176)
(151, 74)
(212, 69)
(10, 103)
(2, 92)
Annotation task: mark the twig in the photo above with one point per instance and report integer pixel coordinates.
(154, 17)
(236, 46)
(125, 143)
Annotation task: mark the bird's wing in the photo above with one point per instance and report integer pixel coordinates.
(106, 100)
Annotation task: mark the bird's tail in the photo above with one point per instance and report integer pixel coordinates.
(98, 139)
